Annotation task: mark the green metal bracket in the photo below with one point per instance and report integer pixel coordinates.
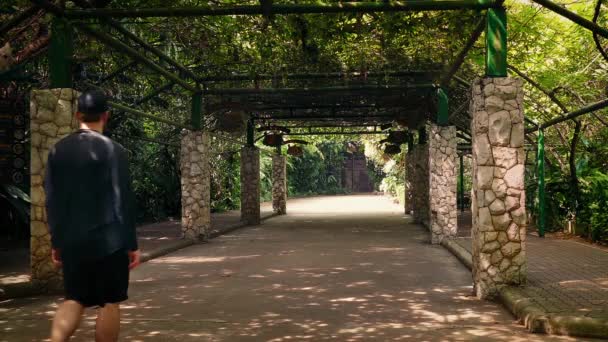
(60, 54)
(461, 183)
(442, 107)
(250, 133)
(410, 142)
(496, 43)
(541, 182)
(197, 110)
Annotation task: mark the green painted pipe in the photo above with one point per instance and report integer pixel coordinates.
(496, 43)
(442, 108)
(250, 133)
(60, 54)
(461, 185)
(197, 110)
(541, 182)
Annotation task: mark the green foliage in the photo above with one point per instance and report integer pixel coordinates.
(317, 171)
(553, 51)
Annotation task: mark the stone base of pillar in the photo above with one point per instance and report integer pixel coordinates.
(498, 197)
(250, 185)
(442, 182)
(195, 183)
(279, 184)
(52, 118)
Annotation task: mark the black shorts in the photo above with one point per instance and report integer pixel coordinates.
(97, 282)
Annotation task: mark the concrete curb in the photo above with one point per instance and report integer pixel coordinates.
(27, 289)
(460, 252)
(164, 250)
(533, 317)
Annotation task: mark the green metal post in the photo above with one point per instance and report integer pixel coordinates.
(250, 133)
(421, 136)
(541, 182)
(279, 151)
(442, 107)
(496, 43)
(60, 54)
(197, 110)
(461, 184)
(410, 142)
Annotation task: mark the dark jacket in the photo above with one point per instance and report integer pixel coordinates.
(88, 196)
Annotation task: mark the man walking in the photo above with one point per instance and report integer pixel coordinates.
(90, 213)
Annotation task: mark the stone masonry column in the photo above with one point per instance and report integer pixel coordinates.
(279, 184)
(52, 118)
(420, 184)
(409, 184)
(250, 185)
(442, 182)
(498, 202)
(195, 183)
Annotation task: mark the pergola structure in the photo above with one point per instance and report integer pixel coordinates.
(489, 117)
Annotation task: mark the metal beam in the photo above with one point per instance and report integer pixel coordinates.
(588, 24)
(451, 71)
(17, 19)
(136, 112)
(155, 92)
(321, 117)
(280, 91)
(122, 47)
(316, 76)
(582, 111)
(345, 7)
(336, 133)
(152, 49)
(151, 140)
(117, 72)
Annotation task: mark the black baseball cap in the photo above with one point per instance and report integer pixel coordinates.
(93, 102)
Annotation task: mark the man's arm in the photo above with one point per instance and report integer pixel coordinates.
(127, 203)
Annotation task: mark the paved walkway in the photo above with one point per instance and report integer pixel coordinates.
(15, 265)
(564, 277)
(346, 268)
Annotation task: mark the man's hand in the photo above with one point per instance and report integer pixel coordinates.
(134, 259)
(56, 257)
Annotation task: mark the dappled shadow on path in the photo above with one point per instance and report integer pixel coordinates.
(323, 277)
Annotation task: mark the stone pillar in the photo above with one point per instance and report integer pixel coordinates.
(52, 118)
(279, 184)
(419, 157)
(498, 202)
(195, 182)
(409, 185)
(442, 182)
(250, 185)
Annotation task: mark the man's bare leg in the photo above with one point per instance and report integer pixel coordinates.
(66, 321)
(108, 323)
